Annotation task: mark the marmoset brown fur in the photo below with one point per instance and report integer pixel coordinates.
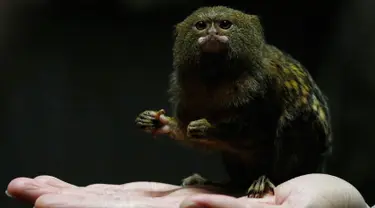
(233, 92)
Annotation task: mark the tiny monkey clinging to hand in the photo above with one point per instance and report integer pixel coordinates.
(234, 93)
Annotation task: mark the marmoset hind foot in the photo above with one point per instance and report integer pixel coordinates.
(260, 187)
(197, 180)
(150, 122)
(194, 179)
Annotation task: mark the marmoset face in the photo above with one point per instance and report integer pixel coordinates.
(212, 34)
(219, 30)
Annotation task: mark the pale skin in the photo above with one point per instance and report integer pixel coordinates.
(313, 190)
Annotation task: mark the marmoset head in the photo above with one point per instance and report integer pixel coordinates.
(217, 30)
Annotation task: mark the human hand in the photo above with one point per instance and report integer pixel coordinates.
(313, 190)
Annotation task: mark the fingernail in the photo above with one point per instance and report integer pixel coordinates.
(8, 194)
(191, 204)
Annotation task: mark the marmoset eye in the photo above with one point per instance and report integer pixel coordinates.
(200, 25)
(225, 24)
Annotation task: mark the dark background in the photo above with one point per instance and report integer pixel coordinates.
(75, 75)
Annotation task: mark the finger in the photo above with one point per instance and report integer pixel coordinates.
(152, 189)
(64, 201)
(142, 186)
(164, 119)
(267, 199)
(27, 189)
(190, 191)
(212, 201)
(163, 130)
(102, 201)
(222, 201)
(52, 181)
(146, 189)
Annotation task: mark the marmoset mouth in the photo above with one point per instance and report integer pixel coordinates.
(213, 43)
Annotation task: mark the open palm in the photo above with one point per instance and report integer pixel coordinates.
(313, 190)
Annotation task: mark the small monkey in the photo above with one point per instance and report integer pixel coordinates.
(233, 92)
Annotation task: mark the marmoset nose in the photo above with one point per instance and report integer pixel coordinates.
(212, 30)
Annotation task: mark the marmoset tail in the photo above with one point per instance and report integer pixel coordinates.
(233, 92)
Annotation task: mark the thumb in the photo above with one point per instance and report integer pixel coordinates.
(222, 201)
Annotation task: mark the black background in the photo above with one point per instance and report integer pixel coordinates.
(75, 75)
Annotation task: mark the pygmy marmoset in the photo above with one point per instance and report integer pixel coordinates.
(233, 92)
